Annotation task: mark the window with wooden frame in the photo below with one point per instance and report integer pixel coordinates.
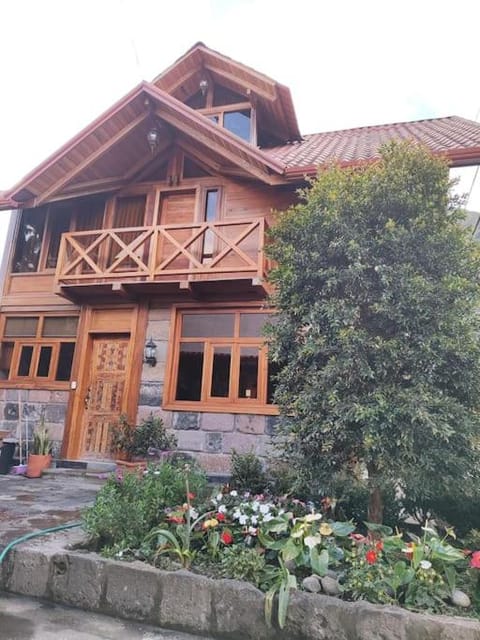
(219, 362)
(38, 349)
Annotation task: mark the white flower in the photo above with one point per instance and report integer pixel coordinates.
(156, 473)
(264, 508)
(281, 512)
(246, 494)
(254, 520)
(236, 514)
(222, 509)
(425, 564)
(193, 514)
(267, 517)
(243, 519)
(255, 505)
(234, 493)
(312, 541)
(311, 517)
(252, 531)
(219, 497)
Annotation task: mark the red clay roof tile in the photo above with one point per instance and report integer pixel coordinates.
(352, 146)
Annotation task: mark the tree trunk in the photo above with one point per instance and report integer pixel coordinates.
(375, 505)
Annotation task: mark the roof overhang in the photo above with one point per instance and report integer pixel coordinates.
(109, 152)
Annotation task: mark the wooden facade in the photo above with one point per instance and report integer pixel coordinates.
(152, 223)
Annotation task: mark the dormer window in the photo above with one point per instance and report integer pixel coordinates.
(237, 121)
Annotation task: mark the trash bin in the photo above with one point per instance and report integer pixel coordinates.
(6, 454)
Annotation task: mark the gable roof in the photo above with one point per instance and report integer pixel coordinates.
(273, 100)
(112, 151)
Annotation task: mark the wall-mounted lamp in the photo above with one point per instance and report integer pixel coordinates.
(153, 138)
(150, 353)
(203, 86)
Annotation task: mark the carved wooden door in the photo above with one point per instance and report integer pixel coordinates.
(105, 396)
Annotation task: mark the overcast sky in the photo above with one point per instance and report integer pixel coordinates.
(349, 63)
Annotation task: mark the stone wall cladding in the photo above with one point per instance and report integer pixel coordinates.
(220, 608)
(22, 409)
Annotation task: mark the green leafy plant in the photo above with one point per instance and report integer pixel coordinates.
(247, 472)
(244, 563)
(122, 437)
(151, 434)
(129, 505)
(282, 583)
(42, 445)
(378, 378)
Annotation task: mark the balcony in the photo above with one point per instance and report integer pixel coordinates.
(208, 257)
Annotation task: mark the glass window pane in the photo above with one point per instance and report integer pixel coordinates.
(29, 241)
(25, 361)
(59, 222)
(238, 122)
(248, 380)
(190, 367)
(208, 325)
(210, 215)
(21, 327)
(222, 357)
(43, 366)
(65, 359)
(251, 324)
(6, 351)
(60, 327)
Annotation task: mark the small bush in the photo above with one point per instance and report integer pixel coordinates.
(247, 473)
(128, 507)
(242, 563)
(152, 434)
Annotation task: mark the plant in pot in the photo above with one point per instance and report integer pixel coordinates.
(121, 439)
(151, 439)
(40, 455)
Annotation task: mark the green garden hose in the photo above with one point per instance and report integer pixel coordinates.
(42, 532)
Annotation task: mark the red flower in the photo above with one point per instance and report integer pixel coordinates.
(220, 517)
(191, 496)
(379, 545)
(226, 537)
(371, 556)
(475, 560)
(358, 538)
(176, 519)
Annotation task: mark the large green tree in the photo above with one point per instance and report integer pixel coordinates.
(377, 338)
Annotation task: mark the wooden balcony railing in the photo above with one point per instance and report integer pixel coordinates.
(171, 253)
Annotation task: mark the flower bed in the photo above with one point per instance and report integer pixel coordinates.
(279, 544)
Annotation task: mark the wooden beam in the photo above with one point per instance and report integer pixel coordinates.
(196, 134)
(91, 158)
(268, 95)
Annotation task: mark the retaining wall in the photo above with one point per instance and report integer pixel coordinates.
(226, 609)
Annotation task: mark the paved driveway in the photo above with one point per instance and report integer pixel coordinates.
(27, 505)
(26, 619)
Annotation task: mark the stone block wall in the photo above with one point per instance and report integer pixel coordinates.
(209, 437)
(21, 411)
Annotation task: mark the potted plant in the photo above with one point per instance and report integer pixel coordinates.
(121, 439)
(40, 455)
(134, 446)
(150, 439)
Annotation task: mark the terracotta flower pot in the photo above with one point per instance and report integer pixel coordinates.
(36, 464)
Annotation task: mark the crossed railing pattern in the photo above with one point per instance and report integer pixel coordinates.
(163, 252)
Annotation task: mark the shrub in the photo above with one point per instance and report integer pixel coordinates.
(128, 507)
(247, 472)
(152, 434)
(242, 563)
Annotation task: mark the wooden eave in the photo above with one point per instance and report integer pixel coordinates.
(456, 158)
(181, 80)
(102, 156)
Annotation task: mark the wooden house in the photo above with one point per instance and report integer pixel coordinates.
(145, 233)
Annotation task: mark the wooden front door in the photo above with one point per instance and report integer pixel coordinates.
(105, 392)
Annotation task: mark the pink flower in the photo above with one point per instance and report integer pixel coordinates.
(475, 560)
